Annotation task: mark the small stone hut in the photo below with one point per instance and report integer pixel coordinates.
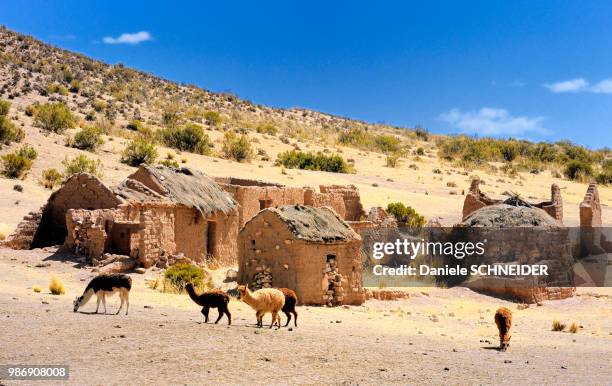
(307, 249)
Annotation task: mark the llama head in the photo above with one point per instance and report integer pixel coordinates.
(78, 302)
(242, 291)
(504, 342)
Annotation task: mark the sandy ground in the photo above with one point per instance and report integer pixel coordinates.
(439, 336)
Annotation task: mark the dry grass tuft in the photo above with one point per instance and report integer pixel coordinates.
(558, 326)
(37, 288)
(56, 287)
(574, 327)
(4, 231)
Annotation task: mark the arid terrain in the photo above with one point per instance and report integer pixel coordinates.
(436, 336)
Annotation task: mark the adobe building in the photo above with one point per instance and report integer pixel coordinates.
(307, 249)
(156, 213)
(476, 199)
(253, 196)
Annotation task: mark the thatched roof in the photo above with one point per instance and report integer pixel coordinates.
(134, 191)
(507, 216)
(317, 225)
(191, 188)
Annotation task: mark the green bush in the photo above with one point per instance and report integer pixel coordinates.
(392, 160)
(169, 163)
(189, 138)
(88, 138)
(267, 128)
(237, 147)
(5, 107)
(387, 143)
(604, 177)
(294, 159)
(54, 117)
(405, 215)
(18, 163)
(178, 275)
(139, 151)
(51, 178)
(82, 164)
(212, 118)
(578, 170)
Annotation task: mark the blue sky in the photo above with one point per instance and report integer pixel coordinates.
(540, 70)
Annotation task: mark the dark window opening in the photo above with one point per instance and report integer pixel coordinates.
(211, 234)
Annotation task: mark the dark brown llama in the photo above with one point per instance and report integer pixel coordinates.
(290, 303)
(211, 299)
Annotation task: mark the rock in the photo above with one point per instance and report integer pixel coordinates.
(230, 276)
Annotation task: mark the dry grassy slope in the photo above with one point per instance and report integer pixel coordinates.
(126, 90)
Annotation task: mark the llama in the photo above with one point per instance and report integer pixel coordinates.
(503, 320)
(290, 303)
(263, 301)
(106, 285)
(211, 299)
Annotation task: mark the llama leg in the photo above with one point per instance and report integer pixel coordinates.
(259, 318)
(121, 306)
(98, 300)
(229, 316)
(205, 313)
(104, 302)
(295, 318)
(127, 301)
(220, 315)
(274, 319)
(288, 318)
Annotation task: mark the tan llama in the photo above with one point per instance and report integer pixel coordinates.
(503, 320)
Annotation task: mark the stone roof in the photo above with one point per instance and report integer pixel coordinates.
(134, 191)
(317, 225)
(507, 216)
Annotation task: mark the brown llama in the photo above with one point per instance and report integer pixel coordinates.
(263, 301)
(503, 320)
(290, 303)
(211, 299)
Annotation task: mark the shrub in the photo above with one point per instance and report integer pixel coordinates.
(51, 178)
(604, 178)
(139, 151)
(18, 163)
(237, 147)
(212, 118)
(387, 143)
(169, 163)
(37, 289)
(405, 215)
(56, 287)
(578, 170)
(82, 164)
(267, 128)
(178, 275)
(574, 327)
(189, 138)
(421, 133)
(88, 138)
(420, 151)
(392, 160)
(558, 326)
(294, 159)
(5, 107)
(134, 125)
(54, 117)
(75, 86)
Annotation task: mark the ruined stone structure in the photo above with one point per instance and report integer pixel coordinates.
(253, 196)
(310, 250)
(155, 214)
(476, 199)
(590, 208)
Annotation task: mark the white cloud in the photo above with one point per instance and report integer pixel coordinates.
(603, 87)
(129, 38)
(572, 85)
(493, 121)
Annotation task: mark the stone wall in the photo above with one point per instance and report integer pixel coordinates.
(265, 245)
(476, 199)
(23, 235)
(81, 191)
(352, 200)
(590, 208)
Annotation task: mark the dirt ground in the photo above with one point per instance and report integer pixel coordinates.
(436, 336)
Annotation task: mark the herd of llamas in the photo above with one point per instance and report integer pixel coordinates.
(263, 301)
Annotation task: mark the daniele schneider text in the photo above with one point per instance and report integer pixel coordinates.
(460, 250)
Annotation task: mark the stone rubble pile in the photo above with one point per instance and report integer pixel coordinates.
(335, 292)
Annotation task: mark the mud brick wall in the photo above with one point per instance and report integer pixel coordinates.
(87, 231)
(23, 235)
(266, 245)
(332, 200)
(81, 191)
(157, 237)
(590, 208)
(554, 207)
(352, 200)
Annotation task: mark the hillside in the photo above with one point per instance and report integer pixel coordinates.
(124, 104)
